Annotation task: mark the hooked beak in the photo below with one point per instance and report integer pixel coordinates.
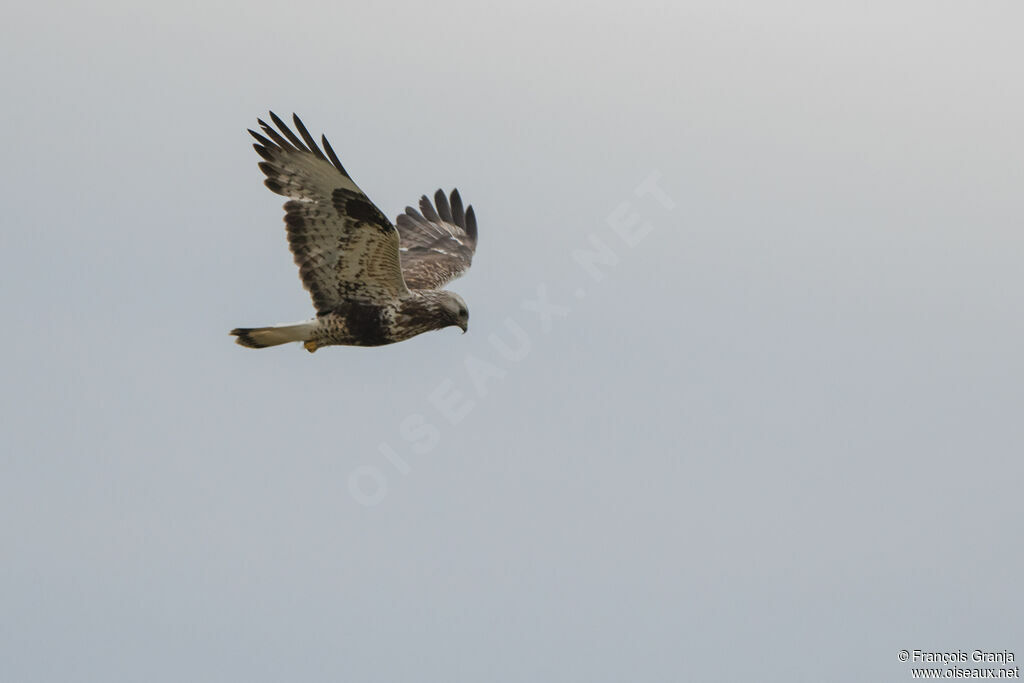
(464, 326)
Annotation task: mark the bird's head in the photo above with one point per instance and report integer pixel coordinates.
(455, 310)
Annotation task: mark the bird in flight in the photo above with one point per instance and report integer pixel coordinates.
(372, 282)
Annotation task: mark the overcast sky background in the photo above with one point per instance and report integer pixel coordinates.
(780, 439)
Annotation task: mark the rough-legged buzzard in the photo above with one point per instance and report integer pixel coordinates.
(371, 283)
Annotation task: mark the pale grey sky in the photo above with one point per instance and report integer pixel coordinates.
(779, 439)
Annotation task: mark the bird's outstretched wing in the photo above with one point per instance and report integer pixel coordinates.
(346, 249)
(437, 245)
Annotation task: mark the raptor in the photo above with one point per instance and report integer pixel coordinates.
(372, 282)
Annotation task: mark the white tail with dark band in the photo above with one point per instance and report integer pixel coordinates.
(262, 337)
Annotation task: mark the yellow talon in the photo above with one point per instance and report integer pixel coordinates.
(310, 346)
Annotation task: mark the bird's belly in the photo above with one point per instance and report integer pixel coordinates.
(355, 325)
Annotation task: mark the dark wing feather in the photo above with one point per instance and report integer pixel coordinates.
(437, 245)
(346, 249)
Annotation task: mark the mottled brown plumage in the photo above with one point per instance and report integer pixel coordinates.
(371, 283)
